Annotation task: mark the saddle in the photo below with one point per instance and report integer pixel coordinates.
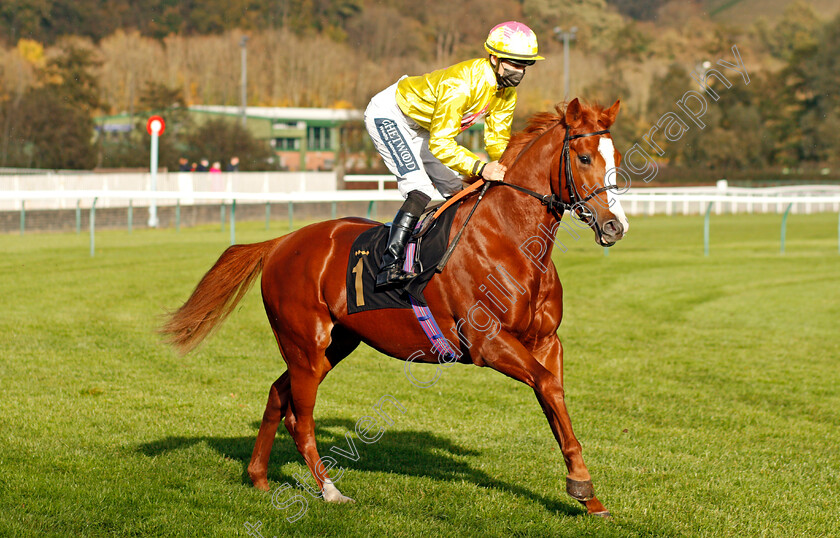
(423, 252)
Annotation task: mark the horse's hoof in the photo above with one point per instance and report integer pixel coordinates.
(261, 484)
(341, 500)
(337, 497)
(332, 495)
(582, 490)
(596, 510)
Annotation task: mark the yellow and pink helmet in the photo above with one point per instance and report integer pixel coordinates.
(513, 40)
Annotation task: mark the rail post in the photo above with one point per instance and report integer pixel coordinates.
(78, 216)
(92, 227)
(291, 215)
(706, 229)
(784, 228)
(22, 216)
(222, 214)
(233, 221)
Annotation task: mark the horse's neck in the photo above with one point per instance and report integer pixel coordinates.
(533, 167)
(517, 216)
(524, 214)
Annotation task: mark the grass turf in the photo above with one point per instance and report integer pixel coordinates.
(705, 392)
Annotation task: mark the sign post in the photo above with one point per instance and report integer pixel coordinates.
(155, 127)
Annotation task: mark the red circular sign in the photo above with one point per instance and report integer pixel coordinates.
(155, 125)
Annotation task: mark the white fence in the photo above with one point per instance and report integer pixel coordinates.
(116, 190)
(686, 200)
(693, 200)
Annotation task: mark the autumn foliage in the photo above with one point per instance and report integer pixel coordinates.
(338, 53)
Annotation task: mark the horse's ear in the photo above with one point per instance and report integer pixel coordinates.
(608, 116)
(574, 113)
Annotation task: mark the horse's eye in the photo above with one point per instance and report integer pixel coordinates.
(585, 159)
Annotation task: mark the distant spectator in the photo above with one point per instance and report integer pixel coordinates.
(194, 167)
(183, 165)
(216, 180)
(233, 165)
(203, 166)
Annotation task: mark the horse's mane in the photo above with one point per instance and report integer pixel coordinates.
(543, 121)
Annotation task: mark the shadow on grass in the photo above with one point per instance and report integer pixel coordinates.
(410, 453)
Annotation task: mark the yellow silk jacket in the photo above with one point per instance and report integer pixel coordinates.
(448, 101)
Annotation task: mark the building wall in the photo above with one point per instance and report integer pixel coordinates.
(315, 160)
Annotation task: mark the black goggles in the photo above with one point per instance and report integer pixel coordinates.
(519, 63)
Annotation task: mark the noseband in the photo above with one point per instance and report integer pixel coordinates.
(555, 202)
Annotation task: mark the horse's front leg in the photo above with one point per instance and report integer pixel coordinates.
(550, 356)
(545, 375)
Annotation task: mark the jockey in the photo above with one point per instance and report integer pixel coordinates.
(414, 122)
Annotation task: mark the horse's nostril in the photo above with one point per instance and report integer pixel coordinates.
(614, 228)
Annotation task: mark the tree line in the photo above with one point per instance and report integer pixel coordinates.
(48, 20)
(165, 55)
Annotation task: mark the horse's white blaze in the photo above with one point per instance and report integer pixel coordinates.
(607, 151)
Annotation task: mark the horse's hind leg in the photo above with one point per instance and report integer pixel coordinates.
(307, 371)
(301, 425)
(278, 403)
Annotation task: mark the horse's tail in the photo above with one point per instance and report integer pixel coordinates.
(216, 295)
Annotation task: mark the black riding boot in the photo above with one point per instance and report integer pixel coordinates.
(391, 269)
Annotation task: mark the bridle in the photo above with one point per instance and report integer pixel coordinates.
(554, 202)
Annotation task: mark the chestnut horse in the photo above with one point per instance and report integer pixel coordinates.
(556, 158)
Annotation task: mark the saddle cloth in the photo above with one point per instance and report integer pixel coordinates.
(366, 255)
